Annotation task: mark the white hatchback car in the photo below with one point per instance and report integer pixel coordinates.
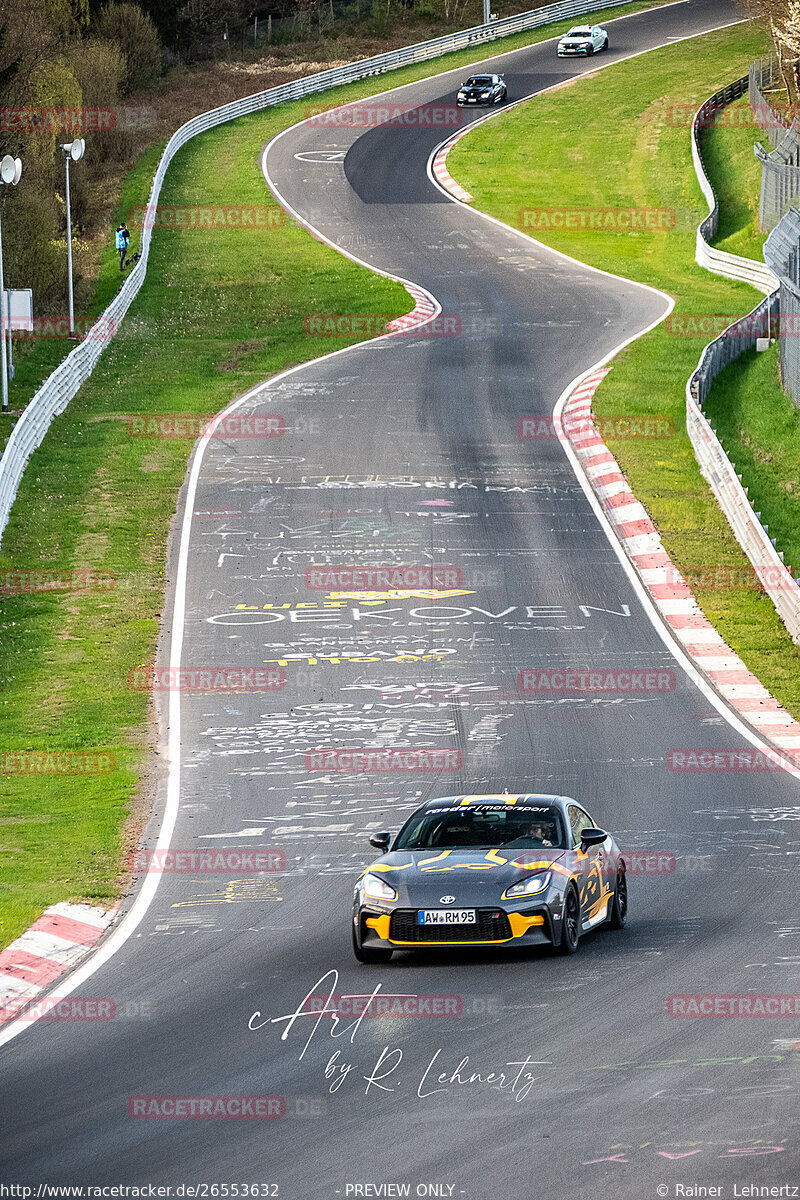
(583, 39)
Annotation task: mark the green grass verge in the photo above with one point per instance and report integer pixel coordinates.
(759, 427)
(638, 156)
(735, 173)
(34, 361)
(754, 418)
(221, 310)
(219, 313)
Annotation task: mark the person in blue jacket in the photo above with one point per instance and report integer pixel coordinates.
(122, 239)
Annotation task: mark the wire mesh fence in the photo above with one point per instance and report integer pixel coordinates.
(780, 167)
(782, 254)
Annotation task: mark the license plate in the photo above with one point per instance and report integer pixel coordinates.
(447, 916)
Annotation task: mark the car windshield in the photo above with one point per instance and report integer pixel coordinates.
(486, 826)
(479, 81)
(580, 33)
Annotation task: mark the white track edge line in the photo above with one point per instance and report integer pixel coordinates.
(133, 918)
(454, 137)
(664, 631)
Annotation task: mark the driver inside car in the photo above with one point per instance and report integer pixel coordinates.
(539, 834)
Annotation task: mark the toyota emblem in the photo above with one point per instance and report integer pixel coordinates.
(447, 899)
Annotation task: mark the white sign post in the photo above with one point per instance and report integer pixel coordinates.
(17, 314)
(19, 309)
(10, 172)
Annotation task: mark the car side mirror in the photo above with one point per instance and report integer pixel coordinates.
(381, 841)
(592, 836)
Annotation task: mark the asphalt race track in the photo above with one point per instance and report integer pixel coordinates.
(405, 451)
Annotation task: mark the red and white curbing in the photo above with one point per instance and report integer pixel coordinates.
(438, 164)
(424, 309)
(671, 595)
(440, 171)
(62, 937)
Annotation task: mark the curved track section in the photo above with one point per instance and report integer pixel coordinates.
(547, 1077)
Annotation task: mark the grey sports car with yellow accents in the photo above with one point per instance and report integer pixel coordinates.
(489, 870)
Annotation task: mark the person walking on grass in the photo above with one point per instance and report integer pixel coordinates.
(122, 239)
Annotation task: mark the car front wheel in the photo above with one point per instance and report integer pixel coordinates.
(570, 925)
(605, 45)
(619, 905)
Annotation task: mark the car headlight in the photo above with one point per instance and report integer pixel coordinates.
(462, 95)
(376, 888)
(528, 887)
(488, 92)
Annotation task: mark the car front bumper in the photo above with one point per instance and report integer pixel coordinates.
(574, 52)
(531, 924)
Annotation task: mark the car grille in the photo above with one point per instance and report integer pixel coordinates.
(491, 926)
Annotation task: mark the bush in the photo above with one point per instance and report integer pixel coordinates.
(138, 40)
(32, 256)
(100, 68)
(380, 24)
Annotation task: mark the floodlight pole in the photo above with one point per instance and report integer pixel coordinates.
(10, 346)
(69, 258)
(69, 250)
(487, 4)
(4, 366)
(10, 172)
(74, 151)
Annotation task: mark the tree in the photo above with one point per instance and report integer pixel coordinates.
(202, 24)
(782, 19)
(100, 67)
(138, 40)
(786, 35)
(32, 33)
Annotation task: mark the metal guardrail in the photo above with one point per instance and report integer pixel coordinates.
(733, 266)
(717, 469)
(59, 388)
(762, 322)
(780, 168)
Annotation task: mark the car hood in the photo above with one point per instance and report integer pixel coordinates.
(575, 41)
(476, 89)
(472, 877)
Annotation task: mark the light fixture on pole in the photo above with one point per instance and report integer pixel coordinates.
(73, 152)
(10, 172)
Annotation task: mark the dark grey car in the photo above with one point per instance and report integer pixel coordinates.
(489, 870)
